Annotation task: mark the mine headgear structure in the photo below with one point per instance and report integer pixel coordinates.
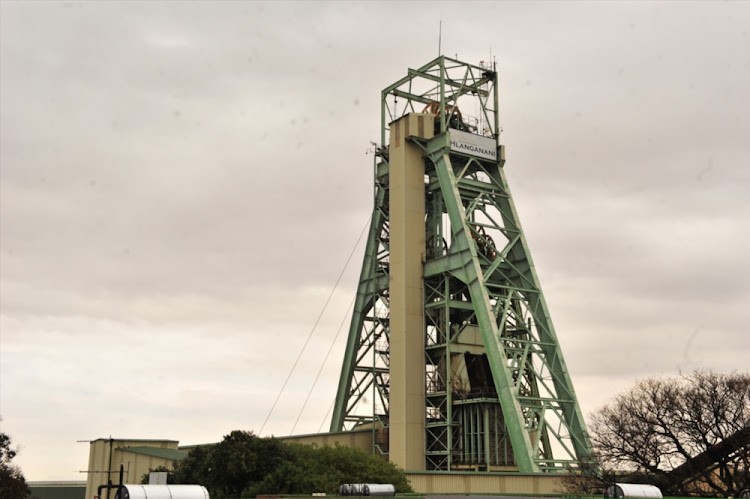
(452, 358)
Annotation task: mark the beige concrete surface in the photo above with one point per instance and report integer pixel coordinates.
(407, 246)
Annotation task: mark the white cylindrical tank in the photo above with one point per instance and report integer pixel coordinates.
(633, 490)
(378, 489)
(162, 492)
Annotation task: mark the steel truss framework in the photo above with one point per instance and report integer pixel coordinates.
(498, 392)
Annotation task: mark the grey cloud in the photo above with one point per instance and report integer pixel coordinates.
(181, 185)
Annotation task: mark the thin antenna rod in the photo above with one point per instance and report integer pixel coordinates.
(440, 39)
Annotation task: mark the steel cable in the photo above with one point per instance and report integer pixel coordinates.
(322, 365)
(294, 366)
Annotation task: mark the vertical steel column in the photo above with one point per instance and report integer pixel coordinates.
(487, 453)
(448, 387)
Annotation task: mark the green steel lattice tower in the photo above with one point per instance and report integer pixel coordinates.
(452, 358)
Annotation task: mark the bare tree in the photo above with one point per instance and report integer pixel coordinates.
(689, 435)
(12, 482)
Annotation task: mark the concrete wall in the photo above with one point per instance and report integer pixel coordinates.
(407, 247)
(361, 439)
(484, 483)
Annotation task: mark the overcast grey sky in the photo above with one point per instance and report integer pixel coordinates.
(183, 182)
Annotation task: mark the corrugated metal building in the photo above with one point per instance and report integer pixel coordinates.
(136, 457)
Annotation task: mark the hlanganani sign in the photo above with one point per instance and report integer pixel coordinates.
(475, 145)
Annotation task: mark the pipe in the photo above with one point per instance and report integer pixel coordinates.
(109, 468)
(109, 486)
(99, 489)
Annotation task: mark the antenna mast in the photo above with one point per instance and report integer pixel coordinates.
(440, 39)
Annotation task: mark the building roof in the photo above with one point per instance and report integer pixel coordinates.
(56, 483)
(190, 447)
(172, 454)
(132, 440)
(324, 434)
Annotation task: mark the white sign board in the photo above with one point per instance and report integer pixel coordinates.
(475, 145)
(157, 478)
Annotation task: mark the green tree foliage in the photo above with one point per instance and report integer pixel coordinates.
(244, 465)
(12, 482)
(227, 468)
(322, 469)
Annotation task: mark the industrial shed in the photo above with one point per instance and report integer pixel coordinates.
(136, 457)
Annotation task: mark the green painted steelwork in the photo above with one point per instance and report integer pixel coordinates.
(498, 392)
(366, 358)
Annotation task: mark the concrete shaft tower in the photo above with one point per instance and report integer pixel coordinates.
(452, 358)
